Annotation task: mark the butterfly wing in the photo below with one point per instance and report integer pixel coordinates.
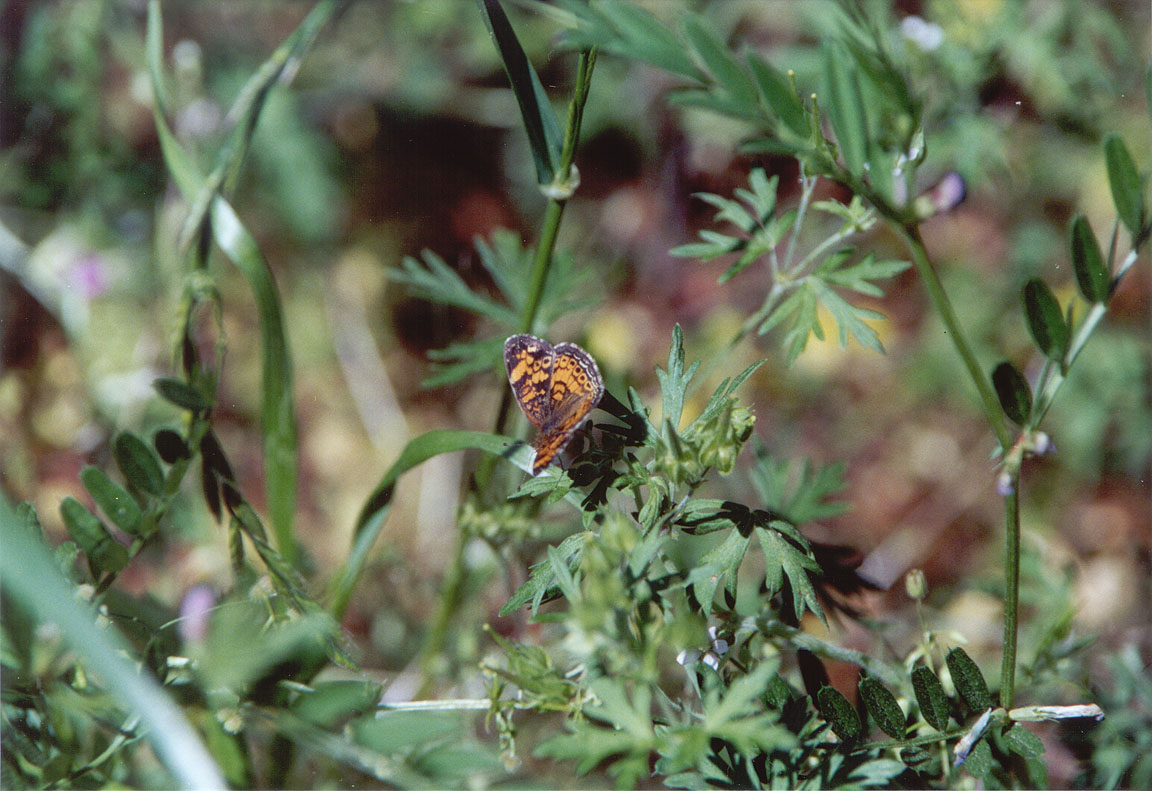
(575, 389)
(529, 361)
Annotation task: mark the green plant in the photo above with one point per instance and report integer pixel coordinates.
(673, 653)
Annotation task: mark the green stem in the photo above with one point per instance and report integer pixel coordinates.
(1047, 395)
(550, 230)
(555, 211)
(807, 187)
(943, 305)
(457, 574)
(450, 599)
(542, 265)
(1012, 589)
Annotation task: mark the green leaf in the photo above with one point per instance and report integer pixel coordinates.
(674, 381)
(779, 693)
(723, 395)
(32, 579)
(545, 137)
(882, 707)
(277, 411)
(720, 564)
(930, 695)
(798, 312)
(181, 394)
(139, 464)
(542, 578)
(762, 197)
(1013, 391)
(104, 553)
(846, 107)
(285, 578)
(856, 215)
(779, 95)
(800, 495)
(460, 763)
(877, 773)
(719, 61)
(1023, 742)
(1045, 319)
(980, 761)
(375, 510)
(835, 708)
(916, 757)
(437, 282)
(729, 211)
(968, 680)
(706, 251)
(629, 30)
(736, 714)
(629, 715)
(552, 484)
(171, 446)
(1088, 262)
(784, 560)
(589, 745)
(1127, 193)
(252, 98)
(113, 500)
(530, 667)
(763, 241)
(457, 361)
(837, 270)
(511, 265)
(227, 749)
(849, 318)
(562, 573)
(328, 702)
(243, 647)
(389, 732)
(277, 405)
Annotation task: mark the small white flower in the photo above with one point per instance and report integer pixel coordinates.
(925, 35)
(1040, 713)
(1004, 484)
(965, 745)
(688, 656)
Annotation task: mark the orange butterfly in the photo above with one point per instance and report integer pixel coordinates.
(555, 386)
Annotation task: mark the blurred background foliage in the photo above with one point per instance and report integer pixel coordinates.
(399, 134)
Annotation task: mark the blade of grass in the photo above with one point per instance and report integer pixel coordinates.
(379, 503)
(545, 137)
(31, 576)
(278, 413)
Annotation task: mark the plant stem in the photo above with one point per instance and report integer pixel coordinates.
(1011, 589)
(450, 599)
(455, 580)
(550, 229)
(943, 305)
(807, 186)
(995, 418)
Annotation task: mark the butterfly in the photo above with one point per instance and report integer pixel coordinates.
(555, 386)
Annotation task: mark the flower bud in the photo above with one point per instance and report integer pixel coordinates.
(915, 585)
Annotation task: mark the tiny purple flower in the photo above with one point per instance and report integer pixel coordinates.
(195, 611)
(90, 275)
